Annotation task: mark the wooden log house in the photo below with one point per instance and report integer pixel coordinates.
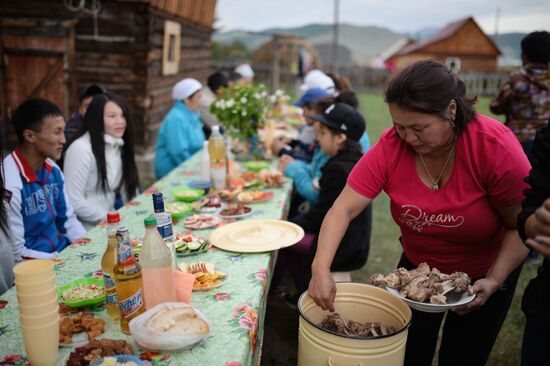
(461, 45)
(136, 48)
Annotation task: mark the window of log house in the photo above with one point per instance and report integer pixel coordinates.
(171, 48)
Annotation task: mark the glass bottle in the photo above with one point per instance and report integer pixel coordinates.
(108, 262)
(128, 279)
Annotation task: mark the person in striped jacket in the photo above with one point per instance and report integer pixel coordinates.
(42, 220)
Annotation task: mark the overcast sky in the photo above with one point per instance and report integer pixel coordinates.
(397, 15)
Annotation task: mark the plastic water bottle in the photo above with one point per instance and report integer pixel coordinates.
(218, 158)
(156, 265)
(205, 162)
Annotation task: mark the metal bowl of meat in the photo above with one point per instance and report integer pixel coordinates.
(425, 289)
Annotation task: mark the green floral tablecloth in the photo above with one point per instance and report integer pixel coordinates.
(236, 310)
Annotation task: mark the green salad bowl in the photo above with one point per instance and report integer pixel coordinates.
(178, 210)
(87, 301)
(188, 194)
(256, 166)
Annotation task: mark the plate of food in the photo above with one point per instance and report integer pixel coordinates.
(254, 196)
(187, 194)
(80, 328)
(82, 292)
(178, 210)
(208, 204)
(425, 289)
(187, 243)
(256, 166)
(229, 194)
(236, 211)
(118, 360)
(271, 178)
(244, 180)
(206, 276)
(201, 221)
(96, 349)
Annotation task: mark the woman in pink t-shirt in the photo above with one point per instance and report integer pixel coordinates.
(455, 180)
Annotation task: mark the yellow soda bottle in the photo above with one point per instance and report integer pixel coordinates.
(129, 283)
(108, 262)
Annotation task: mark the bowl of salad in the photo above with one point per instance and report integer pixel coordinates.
(188, 194)
(178, 210)
(82, 292)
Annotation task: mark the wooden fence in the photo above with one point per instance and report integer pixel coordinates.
(366, 79)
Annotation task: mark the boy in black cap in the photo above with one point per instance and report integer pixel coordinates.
(84, 99)
(339, 130)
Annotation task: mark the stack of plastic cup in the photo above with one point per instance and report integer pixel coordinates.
(38, 310)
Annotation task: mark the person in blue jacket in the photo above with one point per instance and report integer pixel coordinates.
(181, 134)
(41, 218)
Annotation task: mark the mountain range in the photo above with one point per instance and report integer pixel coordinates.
(358, 44)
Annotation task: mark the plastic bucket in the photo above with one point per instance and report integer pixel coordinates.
(361, 303)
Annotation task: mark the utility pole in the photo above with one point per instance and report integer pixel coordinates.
(274, 63)
(335, 37)
(497, 19)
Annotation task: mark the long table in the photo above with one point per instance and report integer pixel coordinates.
(236, 310)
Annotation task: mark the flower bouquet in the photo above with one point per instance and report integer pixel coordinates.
(242, 111)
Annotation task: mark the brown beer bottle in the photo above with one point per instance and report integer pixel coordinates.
(129, 283)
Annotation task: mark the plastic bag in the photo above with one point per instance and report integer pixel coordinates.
(154, 340)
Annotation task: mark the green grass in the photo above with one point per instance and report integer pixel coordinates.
(385, 247)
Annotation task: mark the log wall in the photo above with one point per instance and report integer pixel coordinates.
(124, 53)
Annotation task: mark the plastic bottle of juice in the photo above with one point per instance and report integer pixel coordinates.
(218, 158)
(128, 279)
(156, 264)
(108, 262)
(205, 162)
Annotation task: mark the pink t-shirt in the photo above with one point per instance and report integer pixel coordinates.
(455, 228)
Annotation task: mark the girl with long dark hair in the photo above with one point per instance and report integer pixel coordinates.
(6, 250)
(100, 169)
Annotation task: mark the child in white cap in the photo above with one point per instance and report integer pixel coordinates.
(181, 134)
(246, 73)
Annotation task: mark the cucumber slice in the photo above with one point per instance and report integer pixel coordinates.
(194, 245)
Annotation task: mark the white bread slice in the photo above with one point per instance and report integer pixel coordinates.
(168, 317)
(194, 326)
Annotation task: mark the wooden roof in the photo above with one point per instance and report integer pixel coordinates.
(196, 11)
(437, 44)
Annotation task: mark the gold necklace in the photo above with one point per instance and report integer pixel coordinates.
(435, 184)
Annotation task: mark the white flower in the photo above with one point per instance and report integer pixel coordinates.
(243, 113)
(257, 96)
(218, 103)
(279, 93)
(230, 103)
(244, 100)
(272, 98)
(264, 94)
(234, 111)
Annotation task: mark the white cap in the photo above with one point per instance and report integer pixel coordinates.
(185, 88)
(318, 79)
(245, 70)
